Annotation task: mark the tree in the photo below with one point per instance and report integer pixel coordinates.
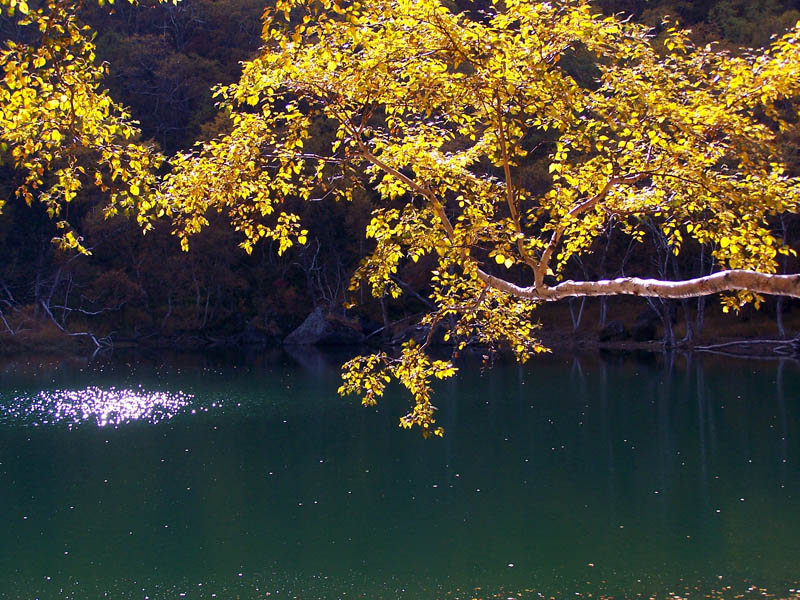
(436, 113)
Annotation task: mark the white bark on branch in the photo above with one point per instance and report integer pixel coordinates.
(723, 281)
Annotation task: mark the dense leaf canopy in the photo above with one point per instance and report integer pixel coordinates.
(437, 112)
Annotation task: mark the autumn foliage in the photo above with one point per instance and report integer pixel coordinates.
(435, 113)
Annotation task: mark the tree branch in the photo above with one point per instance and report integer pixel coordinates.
(576, 210)
(3, 318)
(423, 191)
(510, 198)
(723, 281)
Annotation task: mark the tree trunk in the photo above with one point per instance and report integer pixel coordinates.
(576, 320)
(779, 318)
(669, 330)
(701, 314)
(603, 311)
(688, 339)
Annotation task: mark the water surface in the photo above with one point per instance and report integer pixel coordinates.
(246, 476)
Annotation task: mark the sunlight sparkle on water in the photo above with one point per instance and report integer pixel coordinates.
(94, 405)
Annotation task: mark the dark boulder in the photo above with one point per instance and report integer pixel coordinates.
(321, 330)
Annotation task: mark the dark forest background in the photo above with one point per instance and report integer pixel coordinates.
(164, 60)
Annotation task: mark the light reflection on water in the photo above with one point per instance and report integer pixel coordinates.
(93, 405)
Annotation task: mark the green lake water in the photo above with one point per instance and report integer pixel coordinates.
(247, 477)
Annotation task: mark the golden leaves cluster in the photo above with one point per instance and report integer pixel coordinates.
(367, 376)
(60, 129)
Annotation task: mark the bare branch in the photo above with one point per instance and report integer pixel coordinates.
(723, 281)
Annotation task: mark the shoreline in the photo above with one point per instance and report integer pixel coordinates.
(750, 333)
(561, 343)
